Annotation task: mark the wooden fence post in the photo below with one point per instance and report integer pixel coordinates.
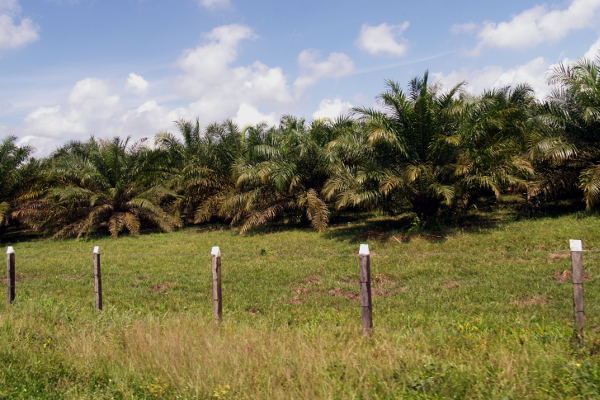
(97, 278)
(365, 289)
(216, 284)
(578, 277)
(10, 274)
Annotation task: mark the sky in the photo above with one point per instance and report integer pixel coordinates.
(70, 69)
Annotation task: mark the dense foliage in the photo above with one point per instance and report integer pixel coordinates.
(423, 151)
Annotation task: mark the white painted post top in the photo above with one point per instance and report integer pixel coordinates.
(215, 251)
(575, 245)
(96, 249)
(10, 250)
(364, 250)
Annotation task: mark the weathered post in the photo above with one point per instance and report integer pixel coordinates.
(365, 289)
(10, 274)
(97, 278)
(216, 284)
(578, 277)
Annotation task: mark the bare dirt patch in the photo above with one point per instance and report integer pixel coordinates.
(567, 276)
(339, 292)
(382, 285)
(162, 287)
(305, 289)
(299, 294)
(383, 292)
(384, 280)
(451, 284)
(313, 279)
(253, 311)
(559, 256)
(18, 278)
(386, 285)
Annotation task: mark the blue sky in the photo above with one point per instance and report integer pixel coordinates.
(74, 68)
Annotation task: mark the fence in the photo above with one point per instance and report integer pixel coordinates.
(364, 274)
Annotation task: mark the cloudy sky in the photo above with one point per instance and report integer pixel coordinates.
(74, 68)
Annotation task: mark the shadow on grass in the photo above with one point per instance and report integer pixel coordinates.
(18, 235)
(357, 227)
(487, 216)
(554, 209)
(403, 229)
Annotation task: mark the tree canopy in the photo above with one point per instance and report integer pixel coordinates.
(421, 149)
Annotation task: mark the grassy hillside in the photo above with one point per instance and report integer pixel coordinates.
(484, 313)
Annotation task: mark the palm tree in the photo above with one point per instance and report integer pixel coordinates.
(19, 175)
(567, 155)
(200, 163)
(401, 158)
(102, 185)
(492, 141)
(280, 174)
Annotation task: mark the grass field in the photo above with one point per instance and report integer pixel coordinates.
(478, 314)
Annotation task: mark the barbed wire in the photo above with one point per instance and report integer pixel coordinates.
(24, 255)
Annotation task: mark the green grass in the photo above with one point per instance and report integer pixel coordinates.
(477, 314)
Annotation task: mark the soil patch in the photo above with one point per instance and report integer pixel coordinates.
(161, 287)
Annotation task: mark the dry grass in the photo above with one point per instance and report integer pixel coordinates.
(201, 359)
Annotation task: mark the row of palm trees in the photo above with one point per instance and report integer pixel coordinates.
(429, 152)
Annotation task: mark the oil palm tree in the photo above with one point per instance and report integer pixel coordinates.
(102, 185)
(567, 155)
(492, 141)
(279, 175)
(200, 163)
(20, 175)
(401, 158)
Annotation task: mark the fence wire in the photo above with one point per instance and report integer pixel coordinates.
(107, 253)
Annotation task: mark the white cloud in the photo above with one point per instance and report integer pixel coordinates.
(533, 73)
(216, 87)
(332, 108)
(14, 34)
(92, 97)
(538, 25)
(10, 5)
(41, 145)
(146, 120)
(209, 87)
(249, 115)
(212, 4)
(90, 106)
(52, 121)
(137, 84)
(384, 39)
(594, 51)
(93, 108)
(312, 70)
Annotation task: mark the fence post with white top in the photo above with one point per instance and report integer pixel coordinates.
(365, 289)
(578, 278)
(10, 274)
(97, 278)
(217, 295)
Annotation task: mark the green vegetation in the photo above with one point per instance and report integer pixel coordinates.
(479, 313)
(471, 300)
(434, 155)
